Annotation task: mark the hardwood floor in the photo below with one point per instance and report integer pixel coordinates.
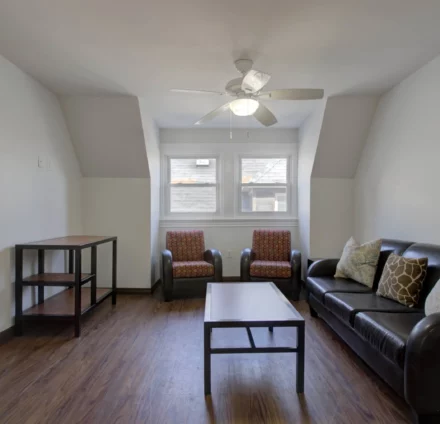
(142, 362)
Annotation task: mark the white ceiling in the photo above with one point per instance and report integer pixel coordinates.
(146, 47)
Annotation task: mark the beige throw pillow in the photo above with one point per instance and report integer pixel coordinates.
(359, 262)
(432, 304)
(402, 279)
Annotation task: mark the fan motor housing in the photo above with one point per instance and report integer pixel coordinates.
(234, 86)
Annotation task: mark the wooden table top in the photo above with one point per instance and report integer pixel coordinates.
(67, 242)
(249, 302)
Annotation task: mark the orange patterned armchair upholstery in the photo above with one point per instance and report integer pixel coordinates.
(271, 259)
(186, 264)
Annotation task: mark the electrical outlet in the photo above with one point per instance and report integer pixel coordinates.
(41, 162)
(229, 254)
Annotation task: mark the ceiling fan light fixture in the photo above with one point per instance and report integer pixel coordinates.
(244, 107)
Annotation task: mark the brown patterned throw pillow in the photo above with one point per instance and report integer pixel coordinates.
(402, 279)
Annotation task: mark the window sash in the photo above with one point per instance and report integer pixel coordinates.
(169, 185)
(287, 185)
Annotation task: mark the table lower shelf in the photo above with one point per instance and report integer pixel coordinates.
(63, 304)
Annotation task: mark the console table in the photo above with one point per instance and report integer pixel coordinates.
(70, 304)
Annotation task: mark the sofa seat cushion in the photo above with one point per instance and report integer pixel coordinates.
(271, 269)
(319, 286)
(346, 305)
(387, 332)
(190, 269)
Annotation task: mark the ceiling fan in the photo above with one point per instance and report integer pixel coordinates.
(248, 95)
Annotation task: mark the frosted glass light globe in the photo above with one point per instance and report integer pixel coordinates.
(244, 107)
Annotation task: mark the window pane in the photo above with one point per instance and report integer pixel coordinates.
(264, 199)
(193, 171)
(264, 171)
(193, 199)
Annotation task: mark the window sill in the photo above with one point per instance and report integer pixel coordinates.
(228, 222)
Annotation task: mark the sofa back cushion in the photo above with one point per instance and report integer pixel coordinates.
(432, 252)
(388, 246)
(186, 245)
(271, 245)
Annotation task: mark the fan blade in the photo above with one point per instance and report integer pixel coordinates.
(254, 81)
(213, 114)
(265, 116)
(184, 90)
(293, 94)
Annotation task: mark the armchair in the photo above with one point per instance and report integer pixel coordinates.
(271, 258)
(186, 266)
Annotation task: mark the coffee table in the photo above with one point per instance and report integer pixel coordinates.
(246, 305)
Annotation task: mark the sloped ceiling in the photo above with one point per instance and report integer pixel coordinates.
(107, 135)
(345, 127)
(145, 47)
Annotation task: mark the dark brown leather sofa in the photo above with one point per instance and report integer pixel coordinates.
(401, 344)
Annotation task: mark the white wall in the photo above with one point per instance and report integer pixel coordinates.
(344, 130)
(37, 203)
(230, 232)
(397, 181)
(119, 207)
(331, 216)
(152, 146)
(308, 143)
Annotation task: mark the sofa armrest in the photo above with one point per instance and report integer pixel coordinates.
(323, 268)
(245, 264)
(422, 367)
(167, 274)
(214, 257)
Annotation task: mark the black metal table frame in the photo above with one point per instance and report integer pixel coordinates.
(208, 350)
(75, 266)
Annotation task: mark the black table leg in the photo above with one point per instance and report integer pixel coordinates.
(300, 359)
(41, 271)
(77, 317)
(114, 269)
(207, 359)
(18, 292)
(93, 270)
(71, 263)
(271, 329)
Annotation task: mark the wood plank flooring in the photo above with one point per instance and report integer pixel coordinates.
(142, 362)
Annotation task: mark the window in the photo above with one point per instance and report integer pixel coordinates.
(192, 185)
(264, 184)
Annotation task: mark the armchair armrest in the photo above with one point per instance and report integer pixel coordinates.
(245, 264)
(323, 268)
(166, 272)
(295, 263)
(422, 368)
(213, 256)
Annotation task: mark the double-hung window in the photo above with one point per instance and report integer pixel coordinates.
(192, 185)
(264, 184)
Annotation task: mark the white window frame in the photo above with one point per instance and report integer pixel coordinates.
(166, 192)
(289, 187)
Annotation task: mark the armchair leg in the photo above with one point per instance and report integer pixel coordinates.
(313, 313)
(167, 295)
